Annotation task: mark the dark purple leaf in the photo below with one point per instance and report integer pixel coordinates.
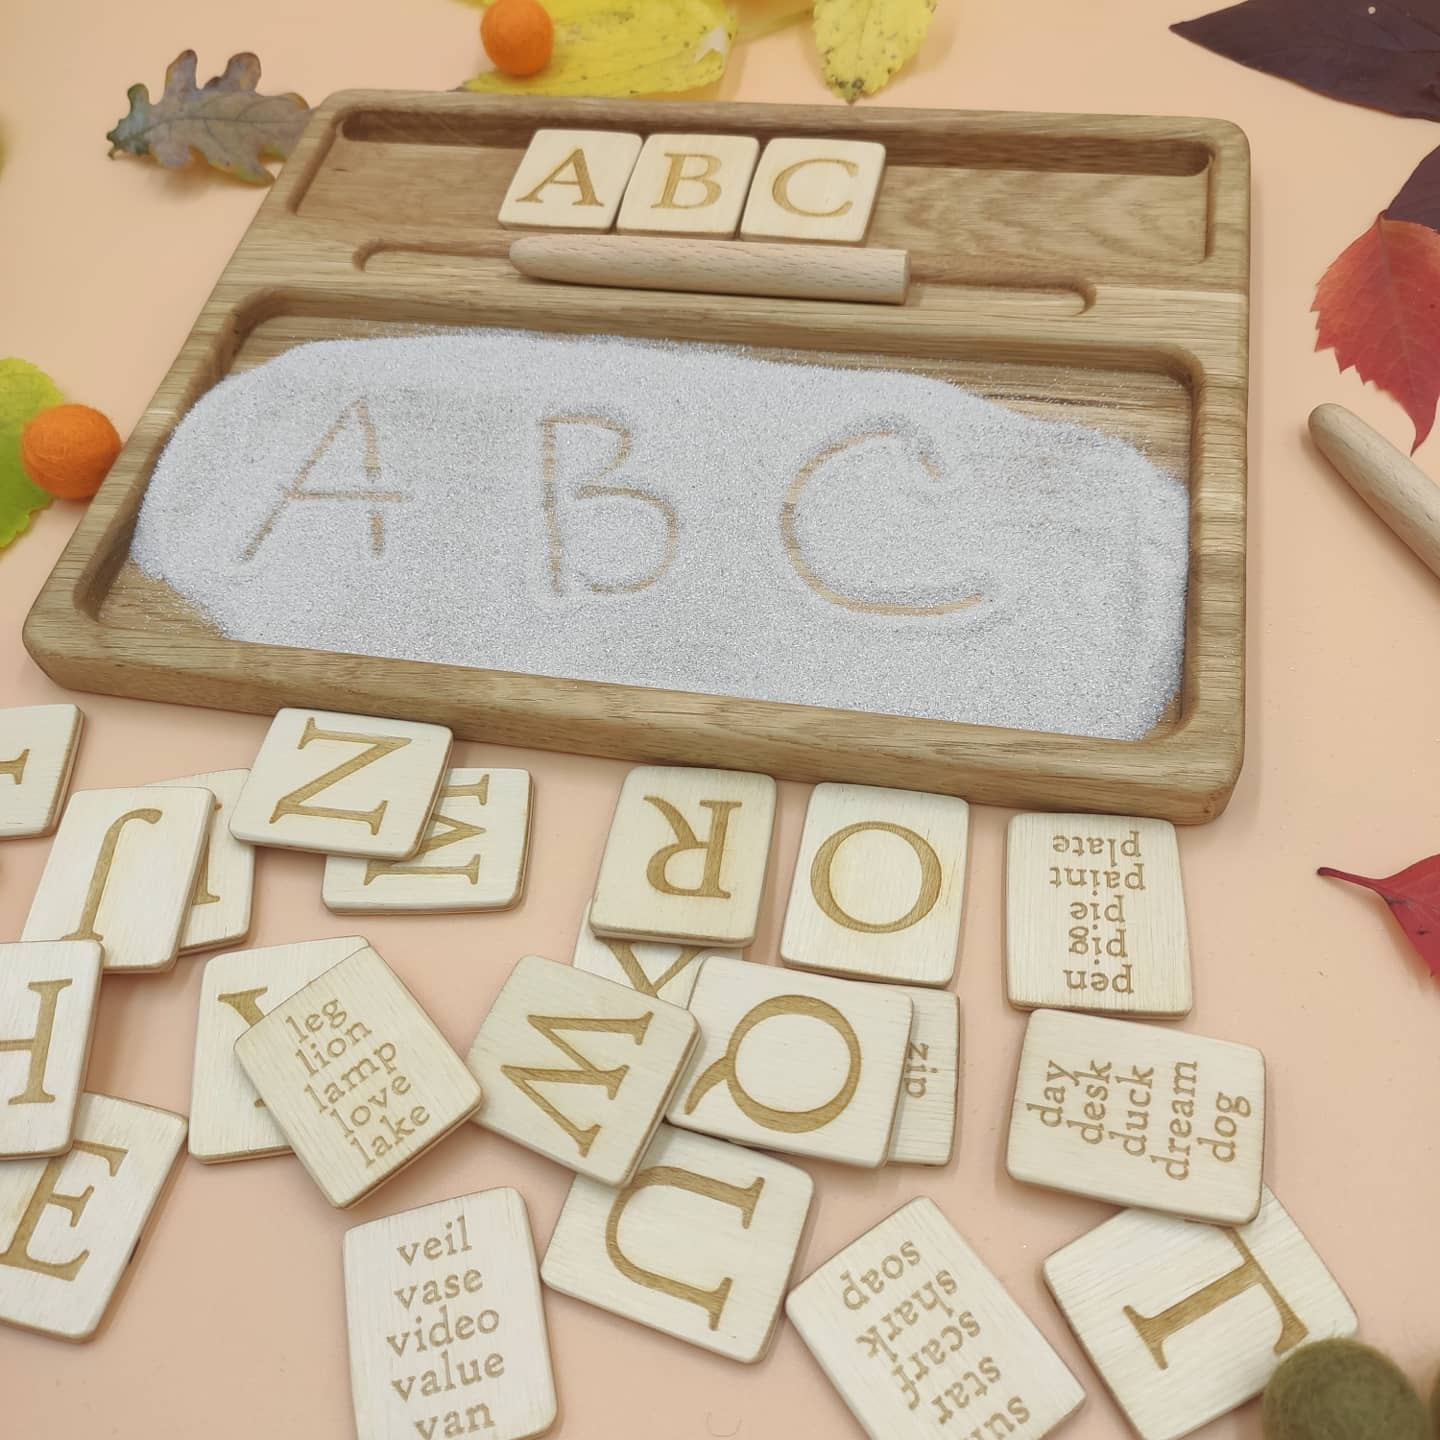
(1419, 197)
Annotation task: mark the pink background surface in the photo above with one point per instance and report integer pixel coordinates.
(232, 1325)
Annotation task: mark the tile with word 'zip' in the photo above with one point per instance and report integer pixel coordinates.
(472, 857)
(1187, 1321)
(879, 885)
(357, 1076)
(686, 857)
(813, 189)
(446, 1325)
(570, 180)
(225, 880)
(37, 754)
(1095, 916)
(343, 784)
(924, 1343)
(924, 1132)
(121, 872)
(664, 969)
(578, 1068)
(689, 185)
(48, 990)
(800, 1063)
(69, 1225)
(1139, 1115)
(699, 1245)
(228, 1120)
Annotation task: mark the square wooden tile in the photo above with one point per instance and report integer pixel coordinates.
(1095, 915)
(800, 1063)
(1139, 1115)
(37, 753)
(686, 856)
(1185, 1321)
(689, 185)
(228, 1120)
(48, 990)
(699, 1245)
(570, 180)
(446, 1326)
(654, 967)
(924, 1343)
(879, 885)
(357, 1076)
(472, 857)
(578, 1068)
(924, 1132)
(69, 1225)
(121, 872)
(343, 784)
(814, 189)
(224, 886)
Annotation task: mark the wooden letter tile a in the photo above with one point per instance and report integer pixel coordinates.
(924, 1343)
(343, 784)
(578, 1068)
(1184, 1322)
(879, 885)
(689, 185)
(225, 880)
(686, 856)
(1095, 915)
(570, 180)
(357, 1076)
(699, 1245)
(447, 1329)
(814, 190)
(69, 1225)
(37, 753)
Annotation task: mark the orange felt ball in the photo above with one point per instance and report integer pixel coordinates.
(518, 35)
(68, 449)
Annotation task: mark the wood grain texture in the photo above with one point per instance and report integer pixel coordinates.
(799, 1063)
(446, 1325)
(879, 885)
(813, 190)
(925, 1113)
(70, 1225)
(1185, 1322)
(570, 179)
(1095, 916)
(923, 1342)
(1139, 1115)
(37, 754)
(699, 1245)
(688, 185)
(1132, 317)
(654, 967)
(48, 990)
(224, 888)
(357, 1076)
(577, 1068)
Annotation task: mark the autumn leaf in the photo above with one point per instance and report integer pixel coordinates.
(1413, 896)
(1381, 53)
(863, 43)
(25, 390)
(225, 120)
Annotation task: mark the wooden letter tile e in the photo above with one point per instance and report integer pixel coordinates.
(69, 1225)
(357, 1076)
(447, 1330)
(1186, 1321)
(578, 1068)
(699, 1245)
(924, 1343)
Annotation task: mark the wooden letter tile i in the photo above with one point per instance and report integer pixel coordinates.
(225, 879)
(447, 1329)
(1184, 1321)
(924, 1343)
(37, 753)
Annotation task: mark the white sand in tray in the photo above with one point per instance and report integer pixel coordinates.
(679, 516)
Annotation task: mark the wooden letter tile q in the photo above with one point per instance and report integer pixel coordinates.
(1185, 1321)
(924, 1343)
(357, 1076)
(343, 784)
(37, 753)
(686, 856)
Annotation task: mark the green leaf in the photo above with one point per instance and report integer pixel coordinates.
(24, 391)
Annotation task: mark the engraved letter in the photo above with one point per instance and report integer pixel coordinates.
(443, 831)
(579, 178)
(15, 768)
(243, 1003)
(930, 879)
(38, 1044)
(685, 840)
(377, 747)
(45, 1193)
(780, 190)
(744, 1199)
(202, 893)
(100, 877)
(624, 953)
(676, 176)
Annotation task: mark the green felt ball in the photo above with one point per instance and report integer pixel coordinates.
(1342, 1390)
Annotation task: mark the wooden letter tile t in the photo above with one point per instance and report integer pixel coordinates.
(357, 1076)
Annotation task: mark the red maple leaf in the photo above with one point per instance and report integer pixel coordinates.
(1413, 895)
(1379, 308)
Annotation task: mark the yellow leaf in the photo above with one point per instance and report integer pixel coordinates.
(627, 47)
(759, 18)
(863, 43)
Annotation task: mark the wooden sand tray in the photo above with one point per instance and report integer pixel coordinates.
(1087, 268)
